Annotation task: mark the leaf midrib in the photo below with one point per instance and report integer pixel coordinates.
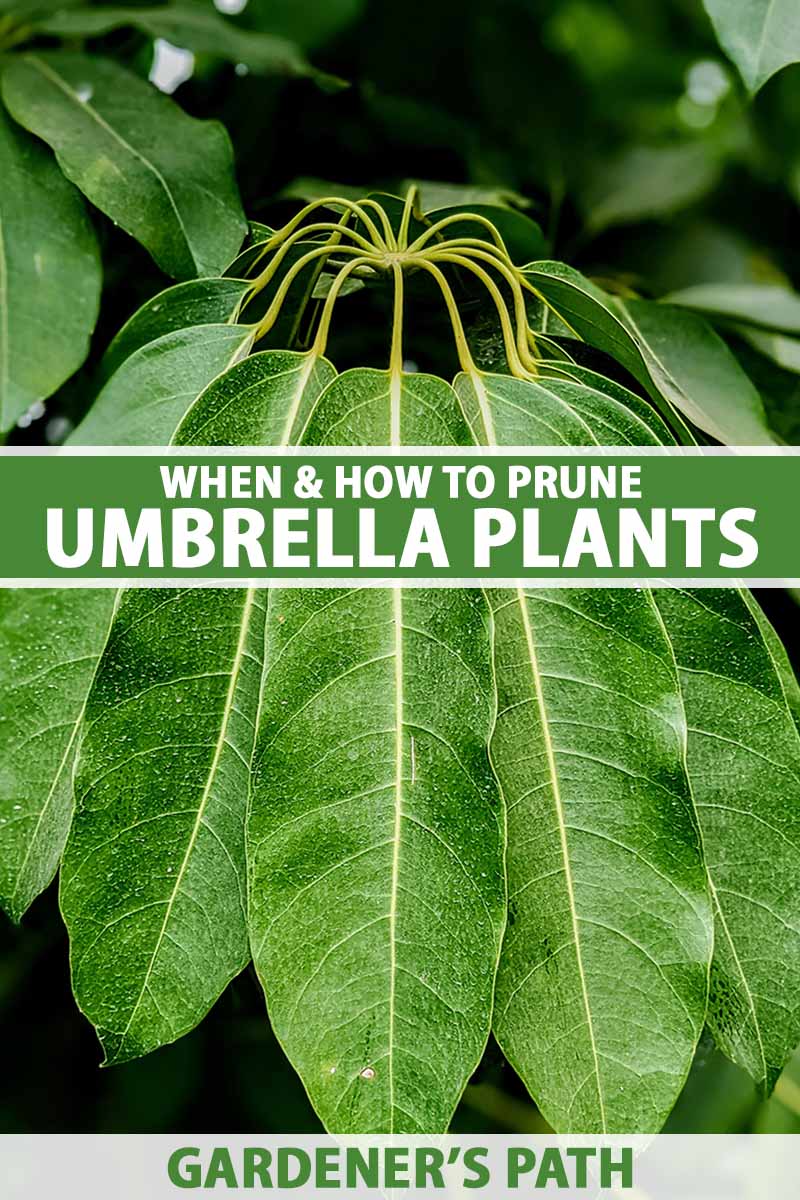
(395, 404)
(397, 612)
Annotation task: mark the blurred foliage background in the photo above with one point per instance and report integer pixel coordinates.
(621, 128)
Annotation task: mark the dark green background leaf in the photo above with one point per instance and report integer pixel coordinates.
(50, 643)
(761, 36)
(164, 177)
(49, 275)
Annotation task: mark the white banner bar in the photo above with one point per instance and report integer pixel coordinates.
(68, 1167)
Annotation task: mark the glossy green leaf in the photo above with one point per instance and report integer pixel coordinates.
(375, 835)
(675, 355)
(697, 372)
(633, 406)
(435, 195)
(366, 407)
(761, 36)
(188, 25)
(765, 305)
(164, 177)
(50, 275)
(554, 412)
(588, 311)
(607, 901)
(153, 875)
(607, 897)
(164, 773)
(590, 314)
(742, 704)
(779, 389)
(50, 644)
(196, 302)
(146, 399)
(631, 402)
(52, 639)
(265, 400)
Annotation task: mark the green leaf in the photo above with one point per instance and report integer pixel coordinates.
(166, 178)
(375, 836)
(189, 26)
(196, 302)
(780, 390)
(697, 372)
(591, 316)
(588, 311)
(153, 875)
(265, 400)
(742, 704)
(50, 644)
(783, 351)
(366, 407)
(164, 773)
(50, 275)
(633, 406)
(436, 195)
(675, 355)
(146, 399)
(374, 842)
(765, 305)
(309, 187)
(54, 638)
(643, 182)
(607, 899)
(761, 36)
(554, 412)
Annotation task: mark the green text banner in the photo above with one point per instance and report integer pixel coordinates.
(334, 517)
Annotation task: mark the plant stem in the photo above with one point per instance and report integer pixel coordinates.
(516, 360)
(524, 333)
(461, 218)
(396, 357)
(408, 208)
(462, 345)
(388, 232)
(271, 315)
(321, 340)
